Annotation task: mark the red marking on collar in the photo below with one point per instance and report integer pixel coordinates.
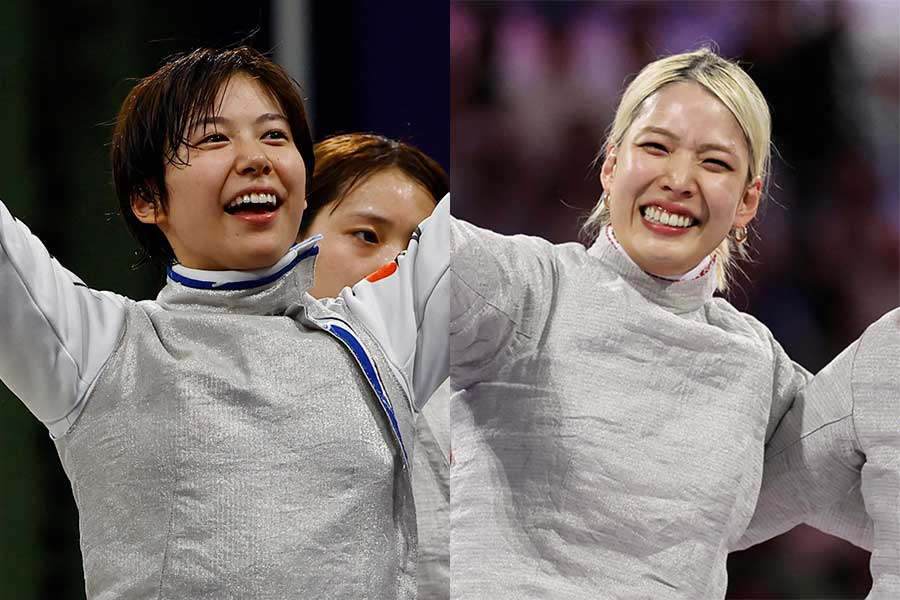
(385, 271)
(706, 269)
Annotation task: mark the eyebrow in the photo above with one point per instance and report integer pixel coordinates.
(368, 215)
(701, 148)
(263, 118)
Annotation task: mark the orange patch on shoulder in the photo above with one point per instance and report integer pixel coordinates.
(385, 271)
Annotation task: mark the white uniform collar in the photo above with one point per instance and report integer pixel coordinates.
(698, 271)
(269, 291)
(688, 293)
(242, 280)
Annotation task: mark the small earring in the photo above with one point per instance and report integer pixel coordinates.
(740, 234)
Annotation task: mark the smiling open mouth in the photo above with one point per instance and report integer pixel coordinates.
(253, 203)
(658, 216)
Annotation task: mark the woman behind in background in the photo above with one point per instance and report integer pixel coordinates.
(366, 198)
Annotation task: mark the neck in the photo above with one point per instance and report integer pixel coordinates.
(698, 271)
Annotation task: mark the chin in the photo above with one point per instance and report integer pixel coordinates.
(259, 259)
(666, 264)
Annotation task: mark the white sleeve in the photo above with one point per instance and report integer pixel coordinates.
(406, 306)
(56, 333)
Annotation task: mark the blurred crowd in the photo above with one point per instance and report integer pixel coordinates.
(533, 89)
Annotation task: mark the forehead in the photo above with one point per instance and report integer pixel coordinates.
(243, 92)
(692, 114)
(239, 96)
(389, 193)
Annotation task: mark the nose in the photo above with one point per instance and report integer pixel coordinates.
(678, 177)
(252, 160)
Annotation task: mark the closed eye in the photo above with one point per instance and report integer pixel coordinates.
(654, 146)
(718, 163)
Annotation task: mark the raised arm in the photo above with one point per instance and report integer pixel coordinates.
(405, 304)
(55, 333)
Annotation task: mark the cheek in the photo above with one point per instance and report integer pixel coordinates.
(332, 246)
(390, 251)
(374, 261)
(637, 172)
(722, 197)
(291, 171)
(363, 262)
(203, 178)
(330, 263)
(345, 258)
(623, 198)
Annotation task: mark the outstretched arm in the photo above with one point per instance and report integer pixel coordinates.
(55, 333)
(813, 462)
(405, 305)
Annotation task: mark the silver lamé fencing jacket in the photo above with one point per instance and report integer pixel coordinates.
(609, 425)
(234, 438)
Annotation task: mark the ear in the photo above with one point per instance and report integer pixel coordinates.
(147, 211)
(609, 167)
(747, 207)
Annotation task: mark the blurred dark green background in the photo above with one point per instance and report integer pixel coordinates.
(65, 68)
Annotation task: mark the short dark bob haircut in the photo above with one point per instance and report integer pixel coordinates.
(345, 161)
(163, 108)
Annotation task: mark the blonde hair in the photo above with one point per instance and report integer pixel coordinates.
(734, 88)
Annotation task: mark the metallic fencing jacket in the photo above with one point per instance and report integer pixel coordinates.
(431, 490)
(609, 427)
(839, 447)
(234, 438)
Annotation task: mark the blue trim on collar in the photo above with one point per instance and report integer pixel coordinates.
(240, 285)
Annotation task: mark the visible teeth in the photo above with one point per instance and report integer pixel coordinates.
(657, 215)
(253, 199)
